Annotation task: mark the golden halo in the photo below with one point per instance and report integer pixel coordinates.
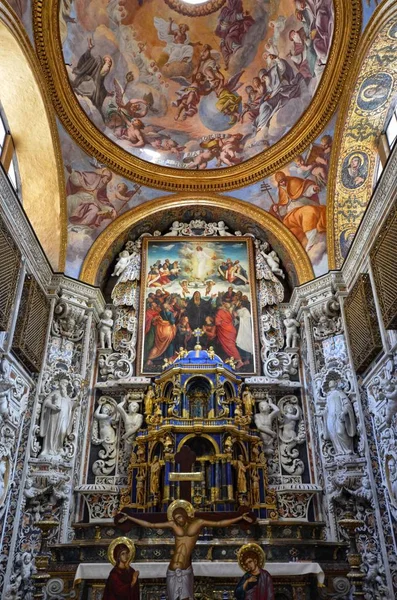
(180, 504)
(251, 549)
(121, 540)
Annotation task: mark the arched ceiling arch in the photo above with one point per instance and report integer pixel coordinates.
(369, 91)
(109, 243)
(310, 125)
(30, 116)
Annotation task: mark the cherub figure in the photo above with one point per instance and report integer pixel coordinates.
(210, 150)
(222, 230)
(122, 263)
(291, 330)
(231, 148)
(389, 390)
(175, 230)
(105, 327)
(133, 132)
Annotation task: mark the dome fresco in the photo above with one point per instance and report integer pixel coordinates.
(195, 86)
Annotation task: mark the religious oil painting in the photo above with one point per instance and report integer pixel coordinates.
(195, 85)
(198, 291)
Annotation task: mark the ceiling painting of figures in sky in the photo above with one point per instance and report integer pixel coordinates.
(195, 86)
(297, 195)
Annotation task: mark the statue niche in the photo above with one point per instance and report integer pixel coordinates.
(198, 392)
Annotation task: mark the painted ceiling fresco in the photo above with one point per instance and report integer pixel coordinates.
(195, 86)
(95, 197)
(297, 196)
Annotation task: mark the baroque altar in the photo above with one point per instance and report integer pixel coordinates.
(199, 394)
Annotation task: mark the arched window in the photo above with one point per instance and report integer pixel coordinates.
(7, 153)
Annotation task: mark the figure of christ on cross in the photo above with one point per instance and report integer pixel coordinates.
(186, 526)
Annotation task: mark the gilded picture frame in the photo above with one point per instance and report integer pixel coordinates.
(205, 283)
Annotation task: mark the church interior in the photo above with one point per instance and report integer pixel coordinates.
(198, 299)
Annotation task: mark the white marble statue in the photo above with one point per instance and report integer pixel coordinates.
(122, 263)
(339, 420)
(106, 417)
(272, 260)
(291, 330)
(288, 422)
(175, 229)
(3, 469)
(264, 422)
(392, 478)
(222, 230)
(389, 390)
(105, 326)
(132, 419)
(5, 388)
(56, 419)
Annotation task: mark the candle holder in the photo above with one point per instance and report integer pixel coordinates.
(355, 575)
(42, 560)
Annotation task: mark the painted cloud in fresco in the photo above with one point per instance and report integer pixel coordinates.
(195, 91)
(95, 197)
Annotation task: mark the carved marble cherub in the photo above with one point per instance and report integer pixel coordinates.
(175, 229)
(389, 390)
(105, 327)
(106, 417)
(268, 411)
(291, 330)
(222, 229)
(122, 263)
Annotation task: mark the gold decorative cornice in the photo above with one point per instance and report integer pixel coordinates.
(384, 13)
(28, 110)
(104, 242)
(312, 123)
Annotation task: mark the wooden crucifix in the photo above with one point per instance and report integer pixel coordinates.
(186, 458)
(186, 525)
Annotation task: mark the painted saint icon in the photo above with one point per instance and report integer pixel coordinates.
(122, 583)
(257, 583)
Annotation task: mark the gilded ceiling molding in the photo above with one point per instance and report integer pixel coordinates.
(108, 237)
(30, 114)
(346, 36)
(360, 122)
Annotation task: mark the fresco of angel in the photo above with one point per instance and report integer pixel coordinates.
(121, 110)
(177, 39)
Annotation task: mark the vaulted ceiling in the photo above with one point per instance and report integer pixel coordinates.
(178, 105)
